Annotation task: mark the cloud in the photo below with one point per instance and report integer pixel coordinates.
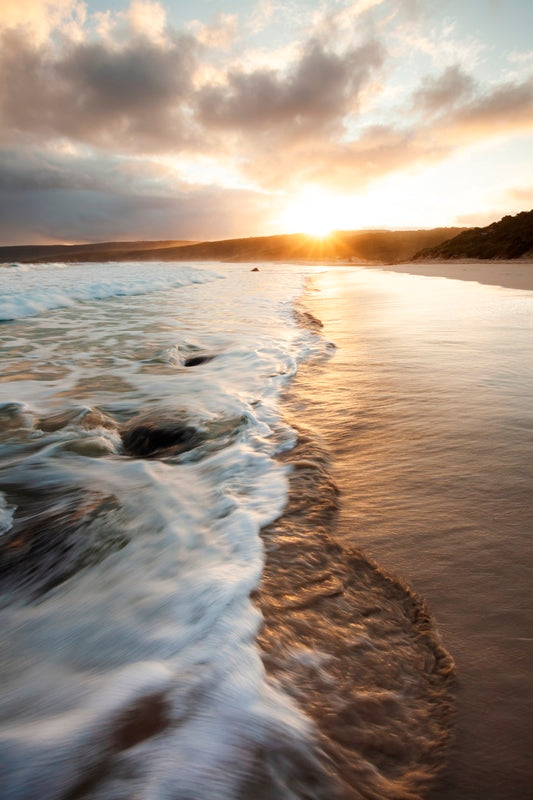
(141, 96)
(76, 216)
(118, 97)
(89, 100)
(443, 92)
(460, 118)
(27, 170)
(523, 195)
(315, 93)
(506, 107)
(38, 17)
(511, 201)
(442, 43)
(84, 199)
(220, 34)
(148, 18)
(479, 219)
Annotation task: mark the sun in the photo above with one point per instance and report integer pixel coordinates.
(314, 212)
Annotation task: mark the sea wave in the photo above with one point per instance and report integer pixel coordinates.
(137, 441)
(29, 291)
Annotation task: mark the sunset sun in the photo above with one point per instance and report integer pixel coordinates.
(315, 212)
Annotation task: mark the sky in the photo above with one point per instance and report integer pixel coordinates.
(173, 119)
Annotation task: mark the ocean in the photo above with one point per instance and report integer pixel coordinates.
(226, 499)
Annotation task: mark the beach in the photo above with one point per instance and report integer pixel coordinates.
(262, 532)
(517, 274)
(425, 409)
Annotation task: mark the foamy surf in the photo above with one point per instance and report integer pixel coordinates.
(142, 452)
(28, 290)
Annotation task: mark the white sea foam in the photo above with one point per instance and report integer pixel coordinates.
(29, 291)
(154, 596)
(7, 512)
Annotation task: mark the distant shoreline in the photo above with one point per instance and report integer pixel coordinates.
(511, 274)
(510, 238)
(517, 274)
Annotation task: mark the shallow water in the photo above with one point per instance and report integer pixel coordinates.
(185, 613)
(138, 430)
(426, 409)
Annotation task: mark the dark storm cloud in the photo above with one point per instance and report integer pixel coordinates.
(23, 170)
(315, 93)
(126, 97)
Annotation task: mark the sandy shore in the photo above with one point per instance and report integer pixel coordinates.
(424, 409)
(511, 274)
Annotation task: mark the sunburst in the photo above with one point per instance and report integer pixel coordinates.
(314, 212)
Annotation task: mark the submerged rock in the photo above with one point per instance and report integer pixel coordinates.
(54, 536)
(82, 417)
(194, 361)
(147, 437)
(14, 416)
(146, 717)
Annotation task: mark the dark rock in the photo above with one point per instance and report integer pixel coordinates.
(194, 361)
(83, 417)
(255, 269)
(14, 416)
(55, 536)
(155, 438)
(147, 717)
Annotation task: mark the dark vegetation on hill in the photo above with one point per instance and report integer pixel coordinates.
(511, 237)
(384, 247)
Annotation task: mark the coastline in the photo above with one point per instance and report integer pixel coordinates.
(353, 645)
(456, 551)
(516, 274)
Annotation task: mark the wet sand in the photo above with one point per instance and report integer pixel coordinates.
(384, 727)
(431, 437)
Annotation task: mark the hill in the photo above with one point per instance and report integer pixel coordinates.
(511, 237)
(382, 247)
(67, 253)
(375, 246)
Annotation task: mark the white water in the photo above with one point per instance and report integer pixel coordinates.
(28, 290)
(155, 602)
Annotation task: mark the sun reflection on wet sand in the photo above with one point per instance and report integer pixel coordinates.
(426, 409)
